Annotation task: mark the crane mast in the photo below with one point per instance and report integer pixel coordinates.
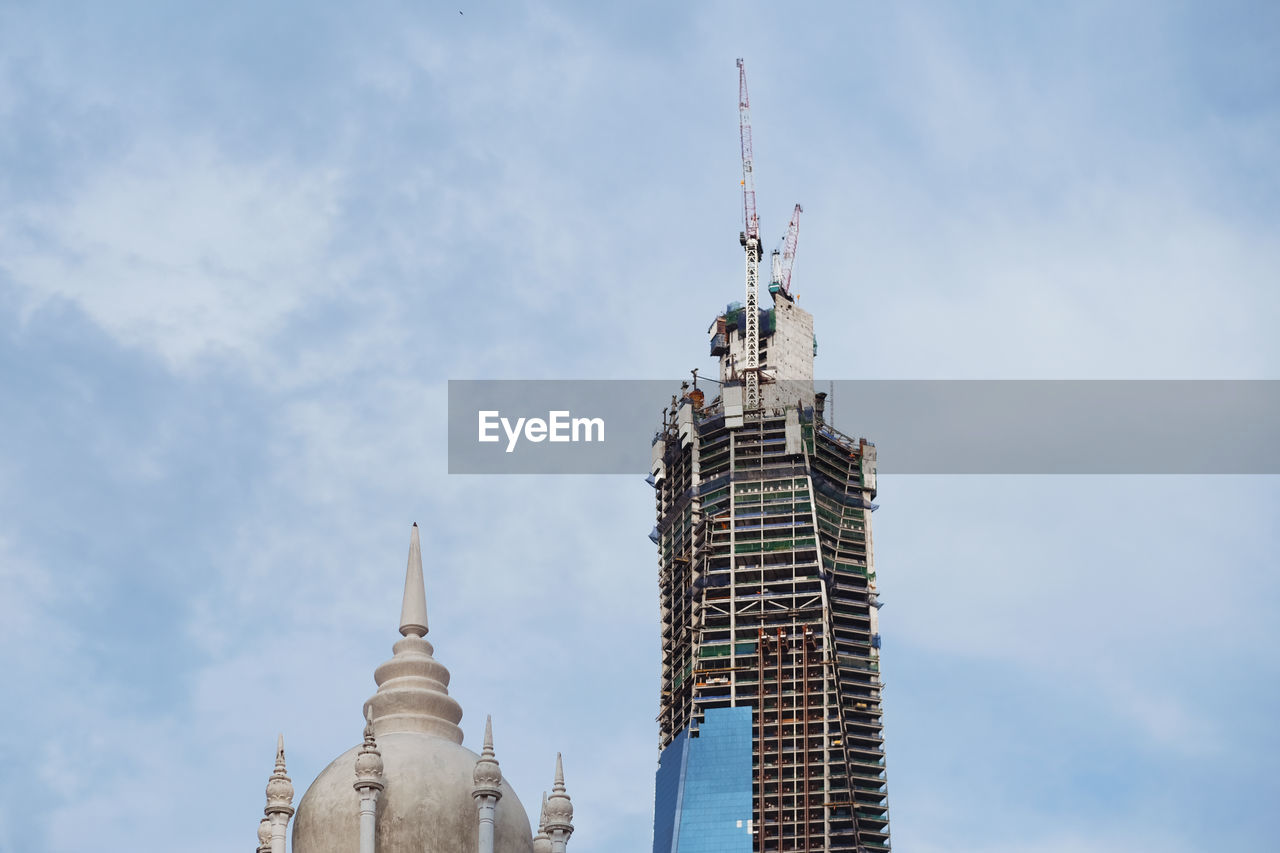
(751, 242)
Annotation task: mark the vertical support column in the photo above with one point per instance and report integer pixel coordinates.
(804, 658)
(782, 634)
(487, 807)
(279, 823)
(733, 582)
(368, 821)
(760, 739)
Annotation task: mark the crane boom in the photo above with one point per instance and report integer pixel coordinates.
(751, 242)
(783, 276)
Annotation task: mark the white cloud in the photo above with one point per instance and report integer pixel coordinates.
(177, 250)
(29, 592)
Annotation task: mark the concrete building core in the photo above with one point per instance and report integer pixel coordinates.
(787, 348)
(770, 723)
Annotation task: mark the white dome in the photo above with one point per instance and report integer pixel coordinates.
(426, 806)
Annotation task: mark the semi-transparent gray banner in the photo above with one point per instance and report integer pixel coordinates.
(918, 426)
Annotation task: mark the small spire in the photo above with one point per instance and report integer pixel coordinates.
(487, 774)
(413, 612)
(279, 786)
(559, 806)
(369, 764)
(542, 841)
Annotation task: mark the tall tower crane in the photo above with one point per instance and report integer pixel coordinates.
(785, 256)
(751, 242)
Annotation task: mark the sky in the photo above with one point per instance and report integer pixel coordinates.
(243, 246)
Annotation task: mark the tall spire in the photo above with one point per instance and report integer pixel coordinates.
(413, 612)
(413, 687)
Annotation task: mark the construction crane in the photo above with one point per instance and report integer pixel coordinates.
(751, 242)
(785, 256)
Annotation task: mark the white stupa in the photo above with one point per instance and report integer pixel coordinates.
(410, 786)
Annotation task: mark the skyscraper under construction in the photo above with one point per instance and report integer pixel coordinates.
(770, 723)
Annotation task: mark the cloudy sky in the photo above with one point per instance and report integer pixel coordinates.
(244, 245)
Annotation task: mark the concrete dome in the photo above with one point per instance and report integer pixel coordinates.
(426, 806)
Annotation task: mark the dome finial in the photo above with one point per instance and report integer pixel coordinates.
(413, 687)
(413, 612)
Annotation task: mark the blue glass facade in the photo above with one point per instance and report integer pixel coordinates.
(702, 800)
(668, 793)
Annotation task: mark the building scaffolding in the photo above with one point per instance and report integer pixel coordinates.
(769, 600)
